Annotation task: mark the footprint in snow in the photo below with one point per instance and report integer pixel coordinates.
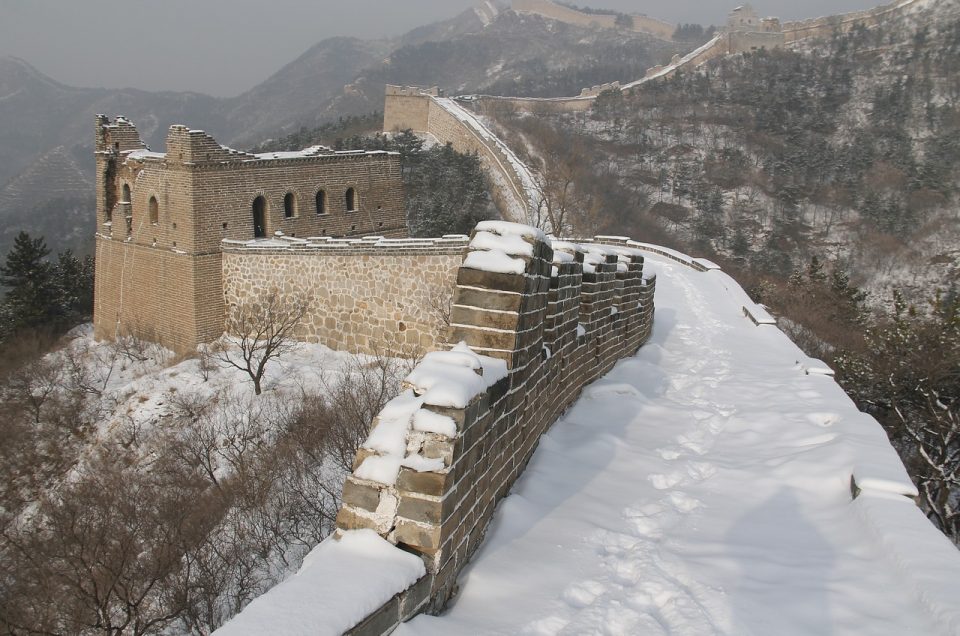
(663, 482)
(609, 389)
(824, 420)
(684, 502)
(701, 470)
(582, 594)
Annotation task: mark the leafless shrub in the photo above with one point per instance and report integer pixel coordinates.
(368, 384)
(207, 359)
(261, 330)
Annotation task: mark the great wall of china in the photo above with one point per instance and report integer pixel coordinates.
(516, 323)
(455, 120)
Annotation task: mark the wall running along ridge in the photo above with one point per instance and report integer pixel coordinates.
(374, 295)
(560, 13)
(725, 43)
(425, 111)
(443, 454)
(825, 27)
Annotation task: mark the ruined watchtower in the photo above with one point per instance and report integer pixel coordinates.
(161, 218)
(746, 31)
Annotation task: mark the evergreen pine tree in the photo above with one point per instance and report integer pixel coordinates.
(34, 295)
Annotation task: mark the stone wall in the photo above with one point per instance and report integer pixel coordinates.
(575, 310)
(825, 27)
(641, 23)
(158, 295)
(424, 111)
(368, 296)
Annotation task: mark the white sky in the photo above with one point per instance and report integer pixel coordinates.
(224, 47)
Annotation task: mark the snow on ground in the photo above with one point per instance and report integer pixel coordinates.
(140, 382)
(703, 487)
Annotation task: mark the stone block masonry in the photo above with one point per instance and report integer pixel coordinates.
(533, 322)
(366, 296)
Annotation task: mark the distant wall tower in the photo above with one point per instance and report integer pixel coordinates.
(161, 219)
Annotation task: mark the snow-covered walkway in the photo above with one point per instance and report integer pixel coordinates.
(703, 487)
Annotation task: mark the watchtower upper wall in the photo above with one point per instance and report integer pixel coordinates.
(407, 107)
(301, 197)
(119, 135)
(195, 146)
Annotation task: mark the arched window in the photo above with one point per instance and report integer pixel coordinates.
(321, 202)
(125, 193)
(154, 211)
(289, 205)
(351, 200)
(259, 217)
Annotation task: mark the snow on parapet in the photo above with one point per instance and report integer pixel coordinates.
(447, 244)
(453, 378)
(503, 247)
(339, 584)
(446, 379)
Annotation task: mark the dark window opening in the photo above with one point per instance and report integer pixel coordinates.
(321, 202)
(125, 196)
(260, 217)
(351, 200)
(289, 205)
(154, 211)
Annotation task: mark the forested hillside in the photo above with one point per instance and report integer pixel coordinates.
(825, 178)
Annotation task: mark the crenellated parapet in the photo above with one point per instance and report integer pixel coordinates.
(533, 322)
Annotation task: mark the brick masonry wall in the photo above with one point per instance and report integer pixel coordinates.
(365, 297)
(559, 326)
(507, 188)
(825, 27)
(158, 295)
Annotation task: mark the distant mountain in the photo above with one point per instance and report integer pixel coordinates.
(296, 94)
(47, 134)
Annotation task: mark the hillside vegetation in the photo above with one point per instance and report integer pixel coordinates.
(827, 180)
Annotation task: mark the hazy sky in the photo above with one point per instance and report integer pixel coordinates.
(223, 47)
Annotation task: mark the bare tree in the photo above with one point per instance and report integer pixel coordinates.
(261, 330)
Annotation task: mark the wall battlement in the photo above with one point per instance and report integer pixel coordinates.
(535, 338)
(638, 22)
(826, 26)
(512, 185)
